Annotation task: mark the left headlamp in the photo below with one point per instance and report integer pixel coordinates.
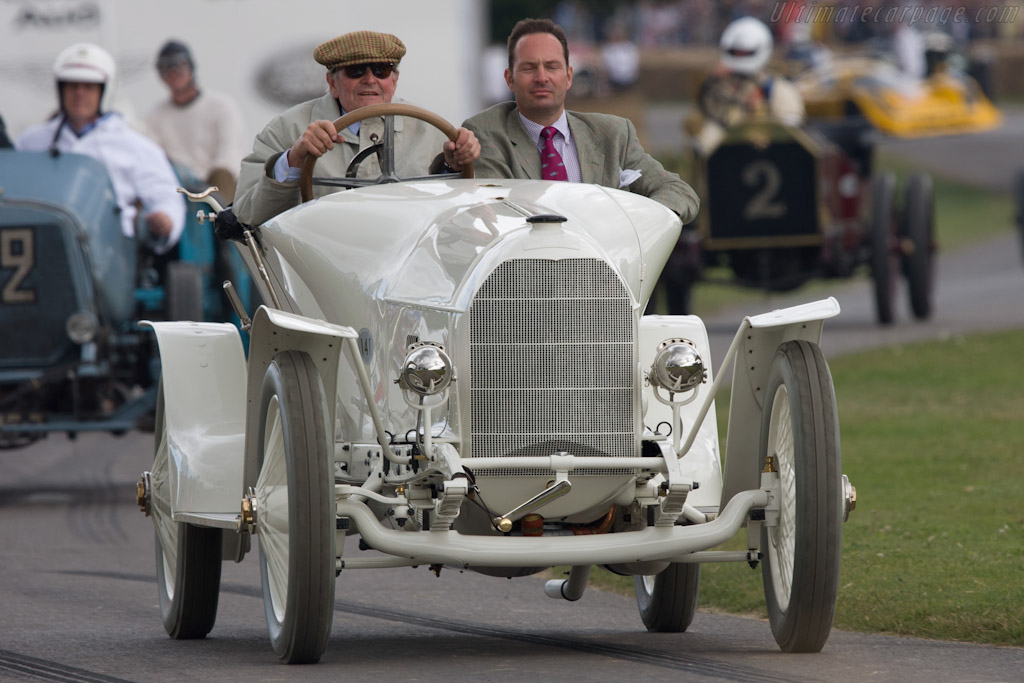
(677, 366)
(427, 369)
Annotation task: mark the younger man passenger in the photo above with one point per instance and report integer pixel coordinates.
(536, 137)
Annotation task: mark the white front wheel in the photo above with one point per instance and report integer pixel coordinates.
(294, 509)
(800, 432)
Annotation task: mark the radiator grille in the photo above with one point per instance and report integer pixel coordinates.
(552, 364)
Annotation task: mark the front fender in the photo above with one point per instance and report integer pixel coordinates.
(274, 331)
(760, 336)
(203, 377)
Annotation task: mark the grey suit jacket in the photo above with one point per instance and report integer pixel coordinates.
(605, 144)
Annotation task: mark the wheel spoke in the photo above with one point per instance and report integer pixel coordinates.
(167, 537)
(783, 537)
(160, 509)
(272, 509)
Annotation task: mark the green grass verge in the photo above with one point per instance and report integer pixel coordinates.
(932, 438)
(963, 214)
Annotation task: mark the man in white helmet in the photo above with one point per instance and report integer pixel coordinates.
(740, 89)
(138, 168)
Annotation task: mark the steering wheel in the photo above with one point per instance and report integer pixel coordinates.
(386, 153)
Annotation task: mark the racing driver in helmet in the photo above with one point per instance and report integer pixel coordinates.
(740, 89)
(138, 168)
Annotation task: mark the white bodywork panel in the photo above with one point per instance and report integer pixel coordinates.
(275, 331)
(419, 242)
(203, 376)
(703, 462)
(404, 260)
(760, 337)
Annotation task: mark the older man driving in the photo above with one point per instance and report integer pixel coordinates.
(362, 69)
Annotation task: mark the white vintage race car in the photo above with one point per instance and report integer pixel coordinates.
(458, 371)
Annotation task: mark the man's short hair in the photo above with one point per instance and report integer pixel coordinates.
(174, 53)
(525, 27)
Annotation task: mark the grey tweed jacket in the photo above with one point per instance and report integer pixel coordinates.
(605, 144)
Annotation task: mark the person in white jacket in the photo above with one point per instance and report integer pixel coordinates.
(137, 166)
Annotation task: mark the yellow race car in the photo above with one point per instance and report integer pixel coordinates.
(945, 102)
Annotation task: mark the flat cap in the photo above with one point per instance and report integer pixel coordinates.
(359, 47)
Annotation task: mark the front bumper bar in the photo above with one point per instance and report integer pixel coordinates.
(446, 547)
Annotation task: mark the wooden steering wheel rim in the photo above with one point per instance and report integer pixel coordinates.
(388, 109)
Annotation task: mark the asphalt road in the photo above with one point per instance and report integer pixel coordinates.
(78, 603)
(977, 289)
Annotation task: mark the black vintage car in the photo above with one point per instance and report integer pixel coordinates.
(782, 205)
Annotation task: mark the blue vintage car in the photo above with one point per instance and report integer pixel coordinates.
(72, 288)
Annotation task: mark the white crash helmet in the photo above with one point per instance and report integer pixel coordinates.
(746, 46)
(86, 63)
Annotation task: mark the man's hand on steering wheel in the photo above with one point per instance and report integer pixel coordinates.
(465, 149)
(317, 139)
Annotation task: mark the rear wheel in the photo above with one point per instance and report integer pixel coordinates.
(919, 257)
(184, 292)
(295, 511)
(188, 558)
(884, 255)
(668, 600)
(800, 431)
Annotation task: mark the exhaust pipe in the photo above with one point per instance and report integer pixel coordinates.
(572, 588)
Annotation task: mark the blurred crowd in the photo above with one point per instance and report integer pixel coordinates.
(666, 23)
(606, 37)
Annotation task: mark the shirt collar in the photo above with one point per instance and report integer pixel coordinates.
(355, 126)
(89, 126)
(534, 129)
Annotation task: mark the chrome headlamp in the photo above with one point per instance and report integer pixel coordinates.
(81, 327)
(677, 366)
(427, 369)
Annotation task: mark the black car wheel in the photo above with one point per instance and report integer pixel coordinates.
(920, 240)
(668, 600)
(884, 247)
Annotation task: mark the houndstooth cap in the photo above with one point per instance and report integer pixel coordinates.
(359, 47)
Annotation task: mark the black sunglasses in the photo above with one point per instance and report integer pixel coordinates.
(379, 69)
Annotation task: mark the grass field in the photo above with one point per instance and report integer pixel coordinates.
(932, 438)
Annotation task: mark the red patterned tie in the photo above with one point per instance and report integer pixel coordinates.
(551, 165)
